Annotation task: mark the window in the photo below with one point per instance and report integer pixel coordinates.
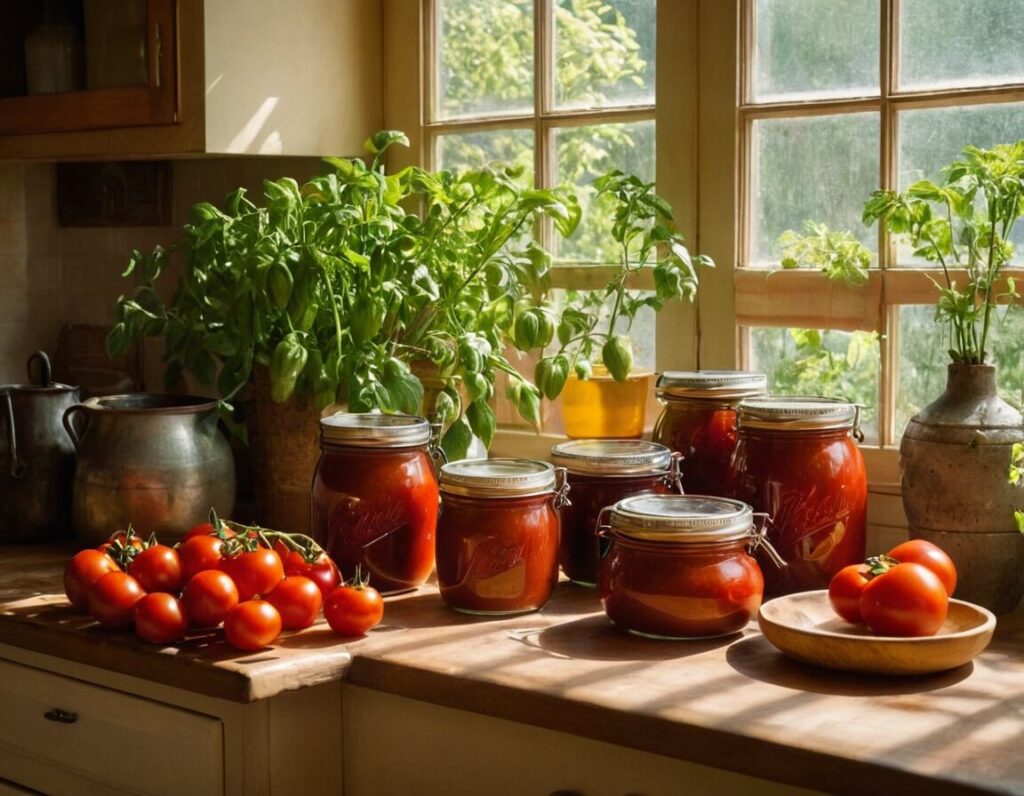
(564, 88)
(837, 99)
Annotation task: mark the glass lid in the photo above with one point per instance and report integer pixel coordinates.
(728, 384)
(682, 518)
(798, 413)
(611, 456)
(371, 430)
(498, 477)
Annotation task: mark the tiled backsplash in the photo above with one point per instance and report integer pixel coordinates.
(51, 275)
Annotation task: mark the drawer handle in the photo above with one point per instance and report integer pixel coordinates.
(61, 716)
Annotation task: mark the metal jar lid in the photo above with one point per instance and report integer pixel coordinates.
(370, 430)
(711, 384)
(682, 519)
(498, 478)
(611, 456)
(798, 413)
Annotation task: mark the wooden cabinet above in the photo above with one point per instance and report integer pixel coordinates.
(138, 78)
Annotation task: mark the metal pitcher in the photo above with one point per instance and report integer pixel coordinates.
(37, 459)
(158, 462)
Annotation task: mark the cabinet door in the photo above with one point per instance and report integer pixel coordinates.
(89, 65)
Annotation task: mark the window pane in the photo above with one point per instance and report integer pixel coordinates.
(931, 139)
(818, 168)
(461, 151)
(486, 57)
(584, 153)
(827, 362)
(923, 358)
(604, 53)
(952, 43)
(814, 49)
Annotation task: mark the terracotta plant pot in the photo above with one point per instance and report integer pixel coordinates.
(285, 448)
(955, 460)
(601, 407)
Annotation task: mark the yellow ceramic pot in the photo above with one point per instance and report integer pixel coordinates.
(601, 407)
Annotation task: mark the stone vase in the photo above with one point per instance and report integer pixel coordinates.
(955, 459)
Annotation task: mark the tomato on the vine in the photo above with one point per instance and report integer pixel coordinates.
(353, 609)
(907, 600)
(208, 597)
(160, 619)
(125, 538)
(81, 572)
(845, 589)
(252, 625)
(112, 600)
(255, 572)
(209, 529)
(920, 551)
(199, 553)
(322, 571)
(157, 568)
(298, 600)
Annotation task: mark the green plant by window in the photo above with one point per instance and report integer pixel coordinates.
(836, 253)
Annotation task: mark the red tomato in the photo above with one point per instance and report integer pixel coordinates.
(158, 568)
(908, 600)
(197, 554)
(160, 619)
(298, 600)
(254, 573)
(845, 590)
(112, 600)
(323, 572)
(918, 551)
(207, 529)
(252, 625)
(353, 610)
(123, 539)
(208, 597)
(83, 570)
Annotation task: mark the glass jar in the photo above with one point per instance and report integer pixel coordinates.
(375, 498)
(796, 460)
(679, 566)
(698, 420)
(601, 473)
(497, 536)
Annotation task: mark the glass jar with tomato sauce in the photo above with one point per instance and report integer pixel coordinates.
(680, 566)
(797, 460)
(601, 472)
(497, 535)
(698, 420)
(375, 498)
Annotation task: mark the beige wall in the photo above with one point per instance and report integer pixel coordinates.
(51, 275)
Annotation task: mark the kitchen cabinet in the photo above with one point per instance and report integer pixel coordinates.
(203, 77)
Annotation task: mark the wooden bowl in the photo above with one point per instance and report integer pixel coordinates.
(805, 627)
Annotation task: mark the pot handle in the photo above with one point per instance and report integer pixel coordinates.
(69, 425)
(45, 369)
(17, 467)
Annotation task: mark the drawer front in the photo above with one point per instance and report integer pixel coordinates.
(114, 740)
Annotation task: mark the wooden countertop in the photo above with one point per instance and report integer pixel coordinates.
(734, 703)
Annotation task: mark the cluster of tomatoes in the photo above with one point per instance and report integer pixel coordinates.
(254, 581)
(902, 593)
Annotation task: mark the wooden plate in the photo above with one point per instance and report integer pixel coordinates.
(805, 627)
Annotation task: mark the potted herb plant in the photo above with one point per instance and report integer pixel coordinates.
(593, 360)
(335, 290)
(956, 452)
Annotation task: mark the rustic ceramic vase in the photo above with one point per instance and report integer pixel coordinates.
(158, 462)
(955, 460)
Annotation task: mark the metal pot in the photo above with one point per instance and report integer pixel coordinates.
(955, 460)
(37, 459)
(158, 462)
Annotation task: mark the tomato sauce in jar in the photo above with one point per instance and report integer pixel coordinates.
(797, 460)
(698, 420)
(601, 472)
(679, 566)
(375, 498)
(497, 535)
